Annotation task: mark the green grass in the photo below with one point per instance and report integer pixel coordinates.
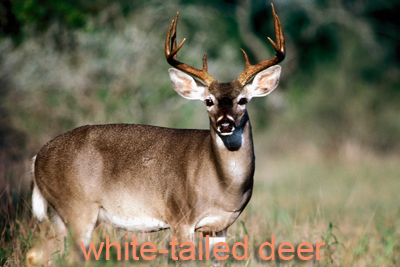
(350, 204)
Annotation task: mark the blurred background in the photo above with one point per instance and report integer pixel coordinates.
(64, 64)
(68, 63)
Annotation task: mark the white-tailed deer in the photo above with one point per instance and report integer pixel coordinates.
(148, 178)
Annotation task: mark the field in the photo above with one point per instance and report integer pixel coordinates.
(296, 198)
(326, 140)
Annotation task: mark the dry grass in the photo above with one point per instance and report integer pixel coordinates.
(295, 199)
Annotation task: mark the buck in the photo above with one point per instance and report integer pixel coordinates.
(148, 178)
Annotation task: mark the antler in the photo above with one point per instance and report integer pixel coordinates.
(170, 54)
(251, 70)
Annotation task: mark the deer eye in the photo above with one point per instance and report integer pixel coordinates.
(242, 101)
(209, 102)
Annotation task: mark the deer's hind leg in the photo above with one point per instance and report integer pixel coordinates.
(81, 224)
(53, 243)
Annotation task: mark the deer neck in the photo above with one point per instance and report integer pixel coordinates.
(234, 155)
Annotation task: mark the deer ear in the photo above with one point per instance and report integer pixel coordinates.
(185, 85)
(264, 82)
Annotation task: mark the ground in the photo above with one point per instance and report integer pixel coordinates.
(350, 203)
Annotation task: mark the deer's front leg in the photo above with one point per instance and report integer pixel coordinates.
(209, 241)
(183, 242)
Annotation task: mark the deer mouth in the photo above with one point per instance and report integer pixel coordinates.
(226, 127)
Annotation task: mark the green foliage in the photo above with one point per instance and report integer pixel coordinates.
(101, 61)
(41, 13)
(331, 244)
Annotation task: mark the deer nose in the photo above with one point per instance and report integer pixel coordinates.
(226, 126)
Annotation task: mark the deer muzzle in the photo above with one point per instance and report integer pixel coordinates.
(226, 126)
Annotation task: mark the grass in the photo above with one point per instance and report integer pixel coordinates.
(350, 204)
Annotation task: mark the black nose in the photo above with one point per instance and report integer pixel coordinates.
(226, 125)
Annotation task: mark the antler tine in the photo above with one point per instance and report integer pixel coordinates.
(278, 31)
(171, 51)
(251, 70)
(171, 39)
(173, 34)
(246, 58)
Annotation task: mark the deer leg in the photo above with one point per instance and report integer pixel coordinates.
(42, 253)
(182, 235)
(214, 238)
(82, 225)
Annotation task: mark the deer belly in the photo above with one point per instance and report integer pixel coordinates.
(142, 223)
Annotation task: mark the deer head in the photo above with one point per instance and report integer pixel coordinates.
(226, 102)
